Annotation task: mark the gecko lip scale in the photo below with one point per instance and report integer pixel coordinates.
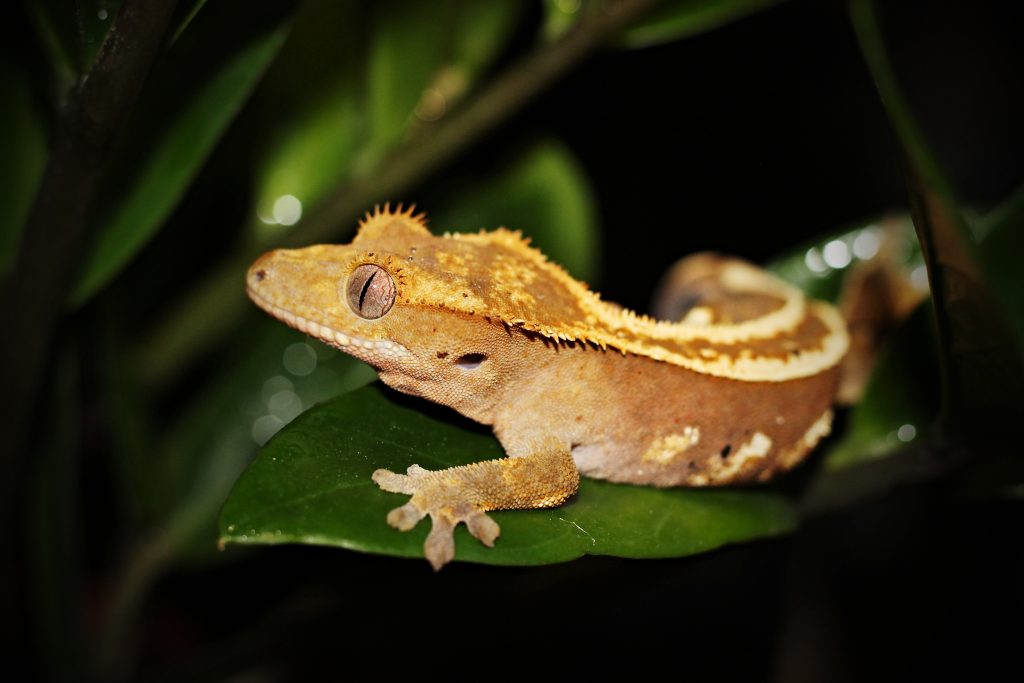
(332, 337)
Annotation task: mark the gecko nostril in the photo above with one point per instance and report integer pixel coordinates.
(261, 275)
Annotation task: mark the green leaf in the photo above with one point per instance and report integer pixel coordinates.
(481, 30)
(54, 25)
(684, 18)
(406, 50)
(559, 17)
(54, 538)
(901, 399)
(544, 193)
(314, 116)
(173, 158)
(280, 374)
(339, 122)
(311, 484)
(1000, 245)
(186, 19)
(24, 144)
(808, 266)
(423, 57)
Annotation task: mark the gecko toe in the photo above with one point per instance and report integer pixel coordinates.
(482, 527)
(440, 544)
(392, 482)
(405, 517)
(416, 471)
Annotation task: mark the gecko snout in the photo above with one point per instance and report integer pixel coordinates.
(261, 269)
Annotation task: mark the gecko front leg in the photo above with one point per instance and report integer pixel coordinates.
(545, 478)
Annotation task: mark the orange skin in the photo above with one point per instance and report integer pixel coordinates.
(569, 383)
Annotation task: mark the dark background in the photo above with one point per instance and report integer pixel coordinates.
(748, 139)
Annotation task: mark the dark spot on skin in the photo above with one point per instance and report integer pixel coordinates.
(471, 361)
(726, 450)
(442, 354)
(464, 295)
(692, 465)
(796, 352)
(261, 275)
(579, 418)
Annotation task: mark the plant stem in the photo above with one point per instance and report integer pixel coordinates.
(980, 363)
(215, 306)
(36, 289)
(115, 648)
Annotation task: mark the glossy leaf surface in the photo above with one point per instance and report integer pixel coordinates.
(311, 484)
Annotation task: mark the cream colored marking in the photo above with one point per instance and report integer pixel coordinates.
(664, 449)
(699, 315)
(610, 322)
(755, 449)
(788, 316)
(327, 335)
(818, 431)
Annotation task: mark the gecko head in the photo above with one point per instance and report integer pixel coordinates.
(396, 298)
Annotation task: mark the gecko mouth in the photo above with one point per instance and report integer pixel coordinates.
(365, 349)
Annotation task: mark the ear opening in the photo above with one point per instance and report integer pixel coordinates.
(470, 361)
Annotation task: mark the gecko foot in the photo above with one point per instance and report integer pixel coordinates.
(449, 498)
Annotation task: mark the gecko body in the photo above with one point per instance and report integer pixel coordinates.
(737, 391)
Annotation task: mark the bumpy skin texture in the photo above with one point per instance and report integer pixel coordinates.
(737, 391)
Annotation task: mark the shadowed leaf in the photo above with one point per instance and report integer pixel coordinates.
(176, 153)
(1001, 244)
(280, 374)
(902, 392)
(24, 143)
(679, 19)
(983, 374)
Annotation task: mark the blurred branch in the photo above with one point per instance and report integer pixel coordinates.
(35, 292)
(115, 643)
(981, 370)
(215, 305)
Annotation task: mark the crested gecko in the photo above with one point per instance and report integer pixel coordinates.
(738, 390)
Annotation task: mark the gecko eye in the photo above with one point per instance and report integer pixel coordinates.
(370, 291)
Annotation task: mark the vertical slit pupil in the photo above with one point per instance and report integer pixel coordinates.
(369, 291)
(366, 288)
